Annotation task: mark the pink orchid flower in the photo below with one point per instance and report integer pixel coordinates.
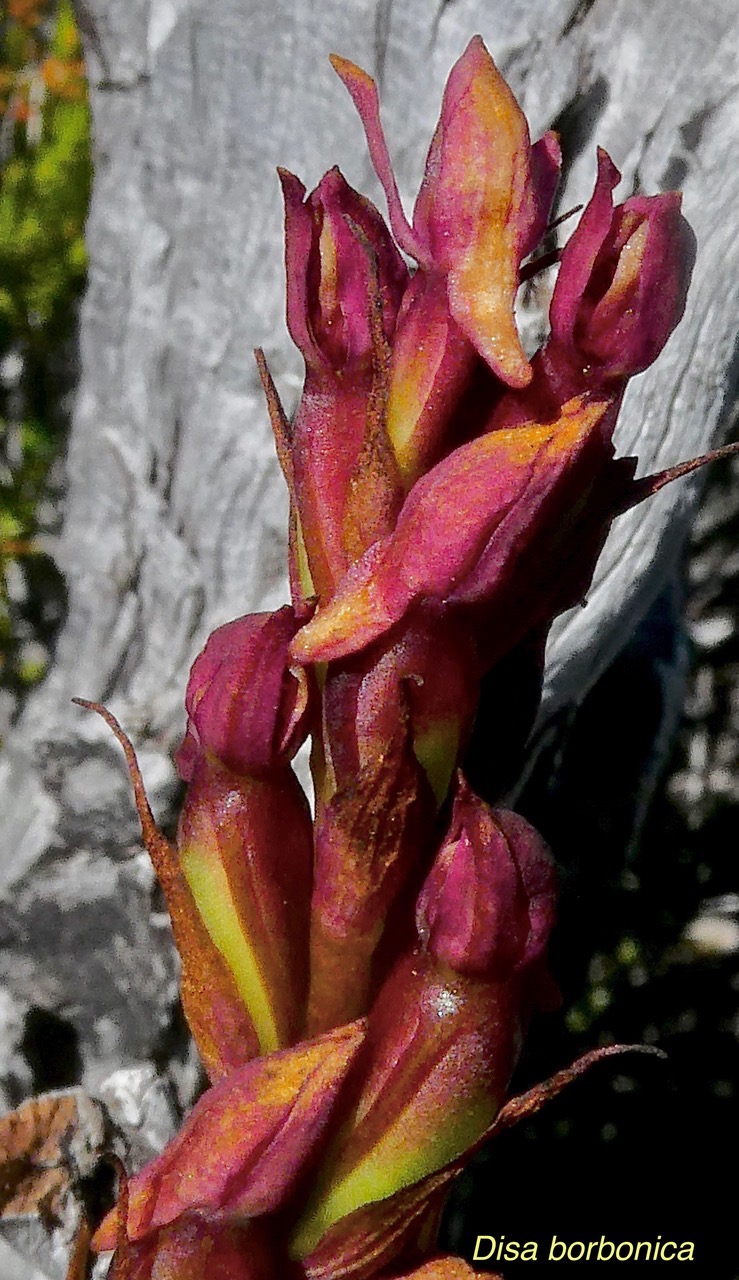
(359, 980)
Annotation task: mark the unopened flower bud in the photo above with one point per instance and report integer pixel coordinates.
(487, 907)
(622, 282)
(245, 705)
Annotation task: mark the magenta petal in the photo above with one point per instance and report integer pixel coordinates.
(620, 292)
(353, 251)
(475, 207)
(648, 264)
(538, 877)
(546, 162)
(346, 281)
(363, 92)
(432, 363)
(298, 245)
(476, 210)
(581, 251)
(337, 246)
(243, 703)
(488, 904)
(460, 533)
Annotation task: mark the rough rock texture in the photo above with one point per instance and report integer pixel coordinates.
(56, 1173)
(175, 509)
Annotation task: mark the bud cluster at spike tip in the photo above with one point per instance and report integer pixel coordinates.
(359, 980)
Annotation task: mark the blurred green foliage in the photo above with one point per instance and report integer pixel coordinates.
(44, 192)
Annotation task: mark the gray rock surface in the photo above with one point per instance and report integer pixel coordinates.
(50, 1146)
(175, 510)
(133, 1115)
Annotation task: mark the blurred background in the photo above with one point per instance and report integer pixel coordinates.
(647, 950)
(45, 167)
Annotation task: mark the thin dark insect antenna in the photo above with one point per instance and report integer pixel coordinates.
(539, 264)
(563, 217)
(550, 259)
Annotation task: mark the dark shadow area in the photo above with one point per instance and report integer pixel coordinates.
(576, 124)
(50, 1046)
